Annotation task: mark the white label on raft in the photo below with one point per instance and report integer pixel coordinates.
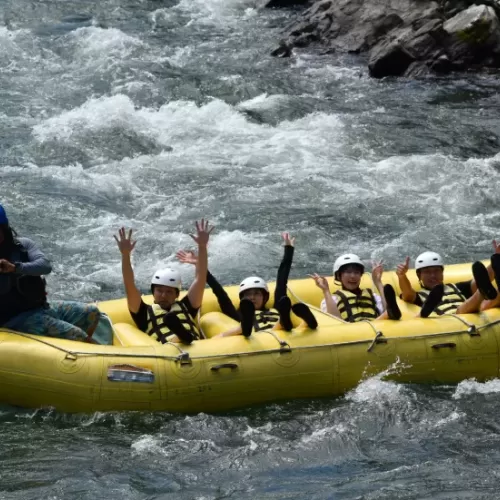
(130, 373)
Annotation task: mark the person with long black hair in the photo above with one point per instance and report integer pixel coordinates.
(23, 297)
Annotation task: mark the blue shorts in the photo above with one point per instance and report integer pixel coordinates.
(63, 319)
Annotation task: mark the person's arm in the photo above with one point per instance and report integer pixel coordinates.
(284, 269)
(231, 333)
(197, 288)
(408, 294)
(322, 284)
(377, 271)
(37, 265)
(226, 305)
(126, 246)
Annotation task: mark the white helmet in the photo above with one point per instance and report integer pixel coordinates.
(347, 258)
(167, 277)
(253, 282)
(428, 259)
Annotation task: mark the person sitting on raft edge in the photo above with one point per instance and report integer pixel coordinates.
(23, 296)
(352, 303)
(168, 314)
(252, 313)
(440, 298)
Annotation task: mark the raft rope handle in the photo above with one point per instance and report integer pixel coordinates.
(73, 355)
(183, 356)
(379, 339)
(297, 348)
(69, 354)
(379, 336)
(284, 345)
(240, 354)
(472, 329)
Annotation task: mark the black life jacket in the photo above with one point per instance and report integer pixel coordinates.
(452, 299)
(159, 331)
(21, 293)
(32, 288)
(354, 307)
(265, 319)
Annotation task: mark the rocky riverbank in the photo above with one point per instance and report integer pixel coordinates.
(400, 37)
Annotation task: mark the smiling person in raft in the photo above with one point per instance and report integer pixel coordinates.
(352, 303)
(168, 319)
(438, 298)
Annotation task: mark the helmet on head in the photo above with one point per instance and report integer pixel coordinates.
(428, 259)
(253, 282)
(344, 260)
(167, 277)
(3, 216)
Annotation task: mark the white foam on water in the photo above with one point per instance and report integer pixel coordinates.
(100, 45)
(181, 56)
(319, 435)
(264, 102)
(215, 11)
(15, 49)
(146, 445)
(454, 416)
(375, 390)
(191, 15)
(95, 115)
(472, 386)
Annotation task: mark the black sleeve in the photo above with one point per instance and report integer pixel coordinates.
(141, 317)
(283, 273)
(418, 301)
(466, 288)
(225, 303)
(193, 311)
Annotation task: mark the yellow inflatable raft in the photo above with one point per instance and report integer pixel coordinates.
(137, 373)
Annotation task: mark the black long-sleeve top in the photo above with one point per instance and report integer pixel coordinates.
(225, 303)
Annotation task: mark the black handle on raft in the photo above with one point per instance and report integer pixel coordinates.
(231, 366)
(450, 345)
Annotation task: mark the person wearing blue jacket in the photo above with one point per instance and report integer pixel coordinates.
(23, 296)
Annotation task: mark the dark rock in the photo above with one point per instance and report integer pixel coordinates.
(474, 34)
(441, 64)
(403, 37)
(279, 4)
(305, 39)
(389, 59)
(284, 50)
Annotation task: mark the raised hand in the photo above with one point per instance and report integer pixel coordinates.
(203, 231)
(187, 257)
(377, 271)
(124, 241)
(287, 240)
(321, 282)
(402, 269)
(496, 246)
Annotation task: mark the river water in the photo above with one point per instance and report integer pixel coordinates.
(150, 114)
